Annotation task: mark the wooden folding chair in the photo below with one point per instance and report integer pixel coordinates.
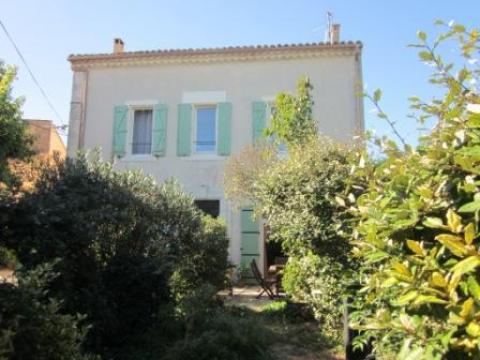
(266, 283)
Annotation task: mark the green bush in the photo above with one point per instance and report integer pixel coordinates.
(297, 195)
(223, 336)
(31, 323)
(298, 198)
(118, 238)
(418, 223)
(15, 141)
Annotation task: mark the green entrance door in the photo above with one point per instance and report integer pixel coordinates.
(250, 236)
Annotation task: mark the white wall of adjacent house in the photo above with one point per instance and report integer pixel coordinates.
(337, 109)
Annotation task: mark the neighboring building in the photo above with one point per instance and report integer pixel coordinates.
(46, 139)
(182, 113)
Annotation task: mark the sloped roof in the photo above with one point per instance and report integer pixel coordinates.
(230, 53)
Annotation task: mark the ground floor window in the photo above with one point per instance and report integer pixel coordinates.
(209, 207)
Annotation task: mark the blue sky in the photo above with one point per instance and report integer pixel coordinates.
(48, 31)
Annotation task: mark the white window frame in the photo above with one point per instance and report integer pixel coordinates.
(132, 107)
(194, 129)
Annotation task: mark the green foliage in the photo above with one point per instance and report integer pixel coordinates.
(224, 335)
(292, 121)
(31, 323)
(119, 239)
(297, 197)
(205, 259)
(14, 141)
(417, 231)
(302, 187)
(243, 170)
(321, 283)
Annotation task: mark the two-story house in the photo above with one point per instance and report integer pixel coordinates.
(182, 113)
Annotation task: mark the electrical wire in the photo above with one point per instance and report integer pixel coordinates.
(19, 53)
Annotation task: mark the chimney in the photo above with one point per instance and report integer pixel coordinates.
(335, 34)
(117, 46)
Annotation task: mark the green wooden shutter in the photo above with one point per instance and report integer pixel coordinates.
(159, 130)
(224, 128)
(259, 119)
(184, 129)
(120, 130)
(250, 236)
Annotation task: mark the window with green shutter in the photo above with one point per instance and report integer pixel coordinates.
(259, 119)
(205, 124)
(120, 130)
(224, 128)
(184, 129)
(159, 136)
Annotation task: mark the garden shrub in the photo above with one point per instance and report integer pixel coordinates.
(15, 141)
(418, 223)
(118, 237)
(32, 325)
(296, 194)
(224, 335)
(298, 199)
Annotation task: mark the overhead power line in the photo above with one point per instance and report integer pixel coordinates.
(44, 94)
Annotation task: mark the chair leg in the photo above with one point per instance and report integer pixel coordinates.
(260, 294)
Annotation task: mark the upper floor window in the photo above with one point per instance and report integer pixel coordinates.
(205, 129)
(142, 132)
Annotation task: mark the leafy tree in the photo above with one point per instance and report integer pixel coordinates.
(292, 121)
(32, 325)
(292, 124)
(418, 222)
(14, 140)
(118, 238)
(296, 195)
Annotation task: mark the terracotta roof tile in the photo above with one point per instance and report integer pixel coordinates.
(215, 50)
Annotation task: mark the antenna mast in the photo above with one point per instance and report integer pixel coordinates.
(329, 29)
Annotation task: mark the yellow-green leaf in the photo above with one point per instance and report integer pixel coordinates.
(415, 247)
(389, 282)
(473, 329)
(467, 308)
(473, 287)
(465, 266)
(402, 269)
(455, 319)
(453, 243)
(425, 299)
(434, 223)
(454, 221)
(438, 280)
(470, 207)
(405, 299)
(469, 233)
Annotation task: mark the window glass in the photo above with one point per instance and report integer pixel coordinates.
(206, 130)
(142, 132)
(209, 207)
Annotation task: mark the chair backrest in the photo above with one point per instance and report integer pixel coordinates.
(256, 273)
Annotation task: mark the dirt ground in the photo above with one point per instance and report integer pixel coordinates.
(293, 341)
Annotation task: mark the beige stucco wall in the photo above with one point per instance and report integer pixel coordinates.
(56, 144)
(46, 140)
(337, 108)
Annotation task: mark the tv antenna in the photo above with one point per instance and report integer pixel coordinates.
(329, 29)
